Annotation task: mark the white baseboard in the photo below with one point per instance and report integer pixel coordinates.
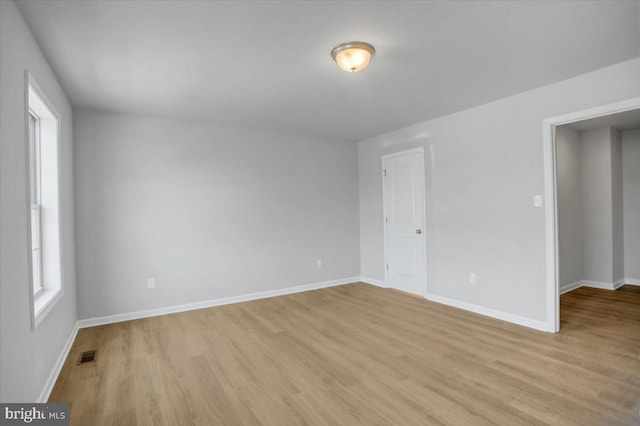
(527, 322)
(597, 284)
(632, 281)
(373, 281)
(53, 376)
(605, 286)
(109, 319)
(567, 288)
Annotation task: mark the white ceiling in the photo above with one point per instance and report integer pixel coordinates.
(267, 65)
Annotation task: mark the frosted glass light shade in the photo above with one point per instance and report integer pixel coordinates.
(353, 56)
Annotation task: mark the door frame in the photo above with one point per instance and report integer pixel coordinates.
(550, 193)
(422, 287)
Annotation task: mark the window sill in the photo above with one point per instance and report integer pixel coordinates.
(44, 303)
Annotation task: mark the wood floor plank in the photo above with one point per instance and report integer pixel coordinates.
(358, 354)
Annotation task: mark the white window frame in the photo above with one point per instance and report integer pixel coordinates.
(45, 196)
(35, 202)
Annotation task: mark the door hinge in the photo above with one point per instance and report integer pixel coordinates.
(384, 171)
(386, 220)
(387, 266)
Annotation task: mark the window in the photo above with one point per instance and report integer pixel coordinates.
(34, 177)
(44, 203)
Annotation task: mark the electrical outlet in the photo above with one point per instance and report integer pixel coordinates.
(151, 283)
(472, 278)
(319, 263)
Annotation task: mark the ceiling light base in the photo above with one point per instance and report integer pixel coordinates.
(353, 56)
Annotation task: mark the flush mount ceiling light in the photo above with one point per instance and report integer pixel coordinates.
(353, 56)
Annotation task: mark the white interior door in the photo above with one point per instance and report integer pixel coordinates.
(404, 211)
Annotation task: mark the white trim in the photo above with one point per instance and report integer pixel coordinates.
(550, 185)
(109, 319)
(57, 367)
(419, 150)
(598, 111)
(373, 281)
(39, 309)
(44, 303)
(632, 281)
(598, 284)
(515, 319)
(551, 220)
(569, 287)
(604, 286)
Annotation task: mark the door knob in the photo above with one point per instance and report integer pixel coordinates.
(418, 231)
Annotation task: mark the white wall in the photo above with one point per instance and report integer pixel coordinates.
(617, 219)
(207, 211)
(568, 155)
(631, 202)
(27, 357)
(596, 205)
(484, 167)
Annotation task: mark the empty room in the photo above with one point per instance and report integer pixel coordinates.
(319, 212)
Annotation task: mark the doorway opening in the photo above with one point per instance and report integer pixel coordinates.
(592, 174)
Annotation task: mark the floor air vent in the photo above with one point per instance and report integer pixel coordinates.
(88, 356)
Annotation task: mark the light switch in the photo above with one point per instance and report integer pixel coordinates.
(537, 201)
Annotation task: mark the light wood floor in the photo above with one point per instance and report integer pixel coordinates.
(358, 354)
